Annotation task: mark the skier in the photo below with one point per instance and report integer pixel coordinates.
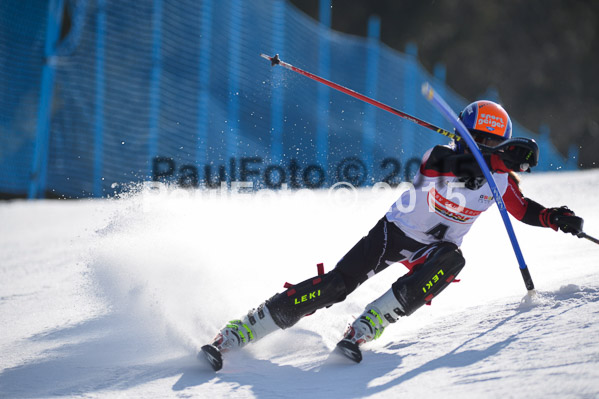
(451, 192)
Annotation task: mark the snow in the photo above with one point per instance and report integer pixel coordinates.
(112, 298)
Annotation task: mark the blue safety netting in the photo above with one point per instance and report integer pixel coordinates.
(22, 38)
(177, 91)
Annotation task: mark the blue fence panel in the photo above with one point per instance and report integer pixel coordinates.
(22, 40)
(176, 91)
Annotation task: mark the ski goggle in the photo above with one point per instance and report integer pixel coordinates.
(487, 140)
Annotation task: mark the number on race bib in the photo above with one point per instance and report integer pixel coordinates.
(438, 231)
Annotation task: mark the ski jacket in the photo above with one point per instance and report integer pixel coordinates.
(450, 193)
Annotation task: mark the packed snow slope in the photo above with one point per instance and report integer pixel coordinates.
(113, 298)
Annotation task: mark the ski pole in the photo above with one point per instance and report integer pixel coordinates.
(277, 61)
(588, 237)
(448, 113)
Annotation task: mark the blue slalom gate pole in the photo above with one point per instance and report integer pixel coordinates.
(448, 113)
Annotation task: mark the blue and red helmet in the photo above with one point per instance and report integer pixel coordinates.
(487, 122)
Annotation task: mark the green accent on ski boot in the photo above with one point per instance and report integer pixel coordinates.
(236, 325)
(250, 334)
(377, 330)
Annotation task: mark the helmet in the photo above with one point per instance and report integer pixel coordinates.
(487, 122)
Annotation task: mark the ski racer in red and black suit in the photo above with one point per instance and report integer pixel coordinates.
(423, 230)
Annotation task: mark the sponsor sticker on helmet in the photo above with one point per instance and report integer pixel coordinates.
(490, 122)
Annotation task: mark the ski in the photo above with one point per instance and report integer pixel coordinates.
(212, 355)
(350, 350)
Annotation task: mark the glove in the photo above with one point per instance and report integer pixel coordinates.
(517, 154)
(563, 219)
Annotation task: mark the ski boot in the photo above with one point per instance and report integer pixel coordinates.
(369, 325)
(237, 334)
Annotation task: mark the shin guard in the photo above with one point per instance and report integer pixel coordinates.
(443, 261)
(302, 299)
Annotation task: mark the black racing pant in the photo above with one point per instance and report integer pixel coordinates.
(385, 244)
